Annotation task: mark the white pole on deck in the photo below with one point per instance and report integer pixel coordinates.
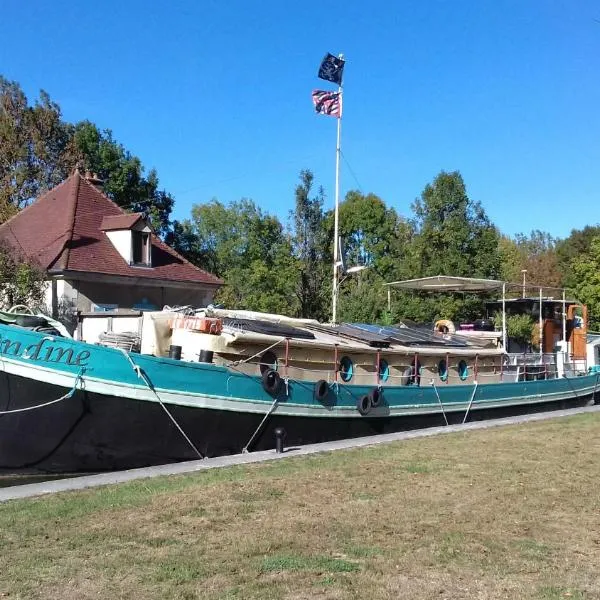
(336, 257)
(504, 317)
(541, 327)
(564, 318)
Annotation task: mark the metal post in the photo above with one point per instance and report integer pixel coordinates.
(335, 361)
(336, 220)
(564, 329)
(287, 356)
(564, 317)
(524, 271)
(541, 326)
(389, 299)
(504, 317)
(447, 368)
(417, 379)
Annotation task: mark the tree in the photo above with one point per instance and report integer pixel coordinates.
(572, 249)
(250, 251)
(22, 281)
(33, 142)
(376, 237)
(122, 173)
(536, 253)
(453, 236)
(182, 238)
(308, 242)
(586, 274)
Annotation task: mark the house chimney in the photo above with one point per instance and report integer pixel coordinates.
(94, 180)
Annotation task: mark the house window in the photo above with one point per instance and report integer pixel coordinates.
(141, 247)
(104, 307)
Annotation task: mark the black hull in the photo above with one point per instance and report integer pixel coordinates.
(92, 432)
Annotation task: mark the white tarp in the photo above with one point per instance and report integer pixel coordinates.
(445, 283)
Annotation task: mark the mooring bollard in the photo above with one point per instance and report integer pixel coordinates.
(279, 439)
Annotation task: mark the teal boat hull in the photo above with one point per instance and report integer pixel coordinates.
(70, 406)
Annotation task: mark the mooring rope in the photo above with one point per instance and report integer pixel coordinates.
(470, 404)
(439, 401)
(142, 375)
(239, 362)
(267, 415)
(66, 396)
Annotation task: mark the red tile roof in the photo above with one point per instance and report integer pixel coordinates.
(114, 222)
(63, 231)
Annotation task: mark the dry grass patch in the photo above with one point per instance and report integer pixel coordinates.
(504, 513)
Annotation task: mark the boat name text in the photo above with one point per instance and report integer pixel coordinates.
(44, 351)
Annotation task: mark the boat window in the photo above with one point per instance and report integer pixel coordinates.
(443, 369)
(268, 361)
(463, 370)
(384, 370)
(346, 368)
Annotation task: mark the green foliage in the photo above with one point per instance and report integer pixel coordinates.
(451, 235)
(586, 277)
(21, 281)
(518, 327)
(249, 250)
(309, 246)
(374, 236)
(34, 145)
(454, 234)
(122, 173)
(572, 250)
(536, 253)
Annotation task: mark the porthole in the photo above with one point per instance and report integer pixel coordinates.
(346, 368)
(443, 369)
(384, 370)
(268, 361)
(463, 370)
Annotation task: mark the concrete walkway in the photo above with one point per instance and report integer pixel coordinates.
(88, 481)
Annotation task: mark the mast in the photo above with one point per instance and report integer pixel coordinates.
(336, 220)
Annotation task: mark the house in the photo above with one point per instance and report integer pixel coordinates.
(99, 257)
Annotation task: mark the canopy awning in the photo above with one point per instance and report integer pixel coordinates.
(445, 283)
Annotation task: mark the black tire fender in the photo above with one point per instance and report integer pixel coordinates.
(271, 381)
(363, 405)
(321, 390)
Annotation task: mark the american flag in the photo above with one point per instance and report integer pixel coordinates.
(327, 103)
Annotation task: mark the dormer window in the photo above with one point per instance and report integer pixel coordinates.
(130, 234)
(140, 248)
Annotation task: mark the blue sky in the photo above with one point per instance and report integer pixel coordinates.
(216, 96)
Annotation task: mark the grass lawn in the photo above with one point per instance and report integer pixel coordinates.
(512, 512)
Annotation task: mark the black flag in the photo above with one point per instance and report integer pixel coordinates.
(332, 69)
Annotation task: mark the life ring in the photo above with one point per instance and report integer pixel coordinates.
(271, 381)
(321, 390)
(444, 326)
(363, 405)
(376, 395)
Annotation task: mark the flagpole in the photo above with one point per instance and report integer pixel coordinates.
(336, 220)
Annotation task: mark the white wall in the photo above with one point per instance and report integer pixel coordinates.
(121, 240)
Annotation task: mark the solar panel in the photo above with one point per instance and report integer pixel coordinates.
(409, 336)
